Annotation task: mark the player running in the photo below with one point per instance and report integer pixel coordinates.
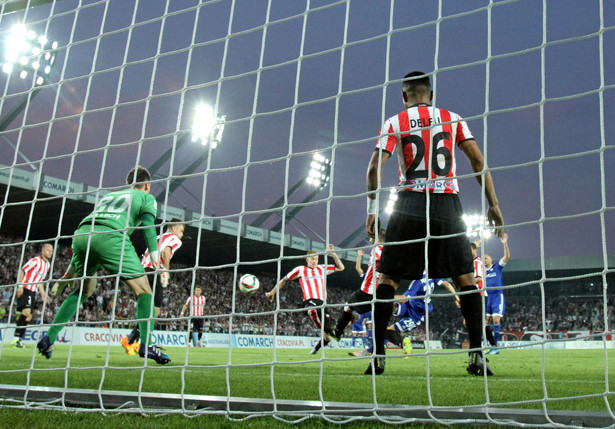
(312, 281)
(30, 279)
(102, 241)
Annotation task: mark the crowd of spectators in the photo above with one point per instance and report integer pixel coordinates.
(226, 307)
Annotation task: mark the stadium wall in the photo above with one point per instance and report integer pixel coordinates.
(85, 336)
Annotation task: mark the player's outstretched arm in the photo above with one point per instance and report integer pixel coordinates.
(357, 266)
(504, 241)
(149, 233)
(449, 287)
(477, 161)
(339, 266)
(271, 294)
(401, 298)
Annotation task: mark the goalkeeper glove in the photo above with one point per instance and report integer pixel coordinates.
(155, 258)
(164, 278)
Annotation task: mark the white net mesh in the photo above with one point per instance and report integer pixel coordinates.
(229, 104)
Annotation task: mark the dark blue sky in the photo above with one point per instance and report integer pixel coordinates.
(545, 137)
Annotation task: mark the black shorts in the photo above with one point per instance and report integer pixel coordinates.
(156, 290)
(360, 302)
(197, 324)
(317, 313)
(26, 300)
(448, 257)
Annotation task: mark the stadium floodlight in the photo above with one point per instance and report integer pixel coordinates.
(320, 167)
(359, 233)
(391, 202)
(477, 226)
(30, 54)
(207, 127)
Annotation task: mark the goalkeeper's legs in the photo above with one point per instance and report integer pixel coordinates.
(66, 312)
(141, 288)
(144, 312)
(135, 334)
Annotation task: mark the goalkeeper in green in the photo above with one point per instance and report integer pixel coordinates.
(102, 241)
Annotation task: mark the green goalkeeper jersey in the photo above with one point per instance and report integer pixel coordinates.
(122, 209)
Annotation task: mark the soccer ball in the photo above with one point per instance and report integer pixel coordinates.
(248, 284)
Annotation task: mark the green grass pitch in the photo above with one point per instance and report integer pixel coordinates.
(573, 379)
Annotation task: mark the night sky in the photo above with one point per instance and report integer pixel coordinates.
(295, 77)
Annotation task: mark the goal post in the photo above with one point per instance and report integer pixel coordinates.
(257, 120)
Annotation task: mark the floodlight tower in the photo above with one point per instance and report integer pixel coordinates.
(478, 227)
(31, 55)
(360, 231)
(319, 166)
(318, 176)
(207, 129)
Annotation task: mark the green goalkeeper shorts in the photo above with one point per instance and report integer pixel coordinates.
(103, 247)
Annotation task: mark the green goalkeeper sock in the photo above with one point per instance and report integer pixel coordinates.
(144, 311)
(65, 313)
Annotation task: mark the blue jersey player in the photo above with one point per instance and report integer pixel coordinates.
(411, 308)
(359, 327)
(417, 303)
(495, 299)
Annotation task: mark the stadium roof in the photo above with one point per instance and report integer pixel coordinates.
(60, 206)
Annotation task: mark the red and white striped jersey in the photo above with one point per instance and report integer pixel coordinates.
(168, 239)
(369, 282)
(425, 139)
(196, 304)
(35, 271)
(479, 272)
(312, 281)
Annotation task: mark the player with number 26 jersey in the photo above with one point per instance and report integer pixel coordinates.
(425, 138)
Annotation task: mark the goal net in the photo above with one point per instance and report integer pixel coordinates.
(256, 121)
